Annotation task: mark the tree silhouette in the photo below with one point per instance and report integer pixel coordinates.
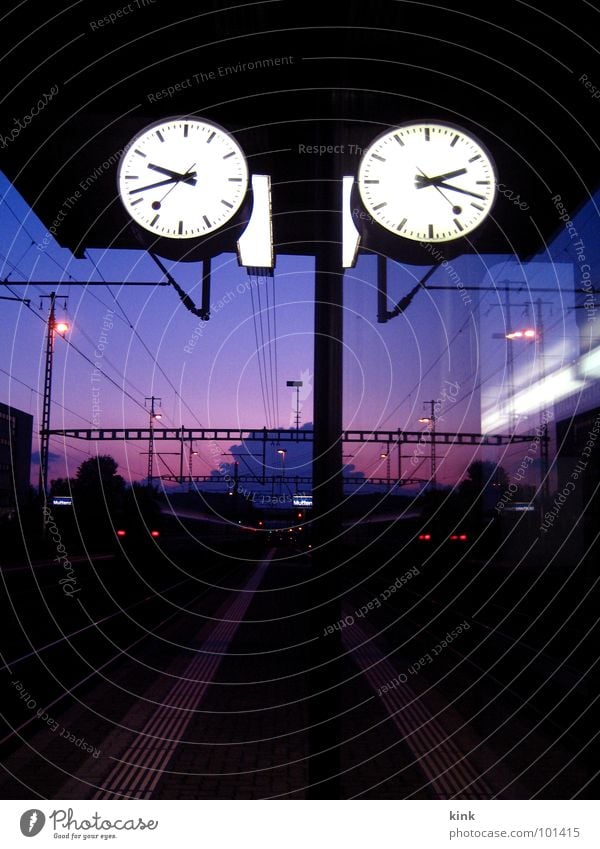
(98, 495)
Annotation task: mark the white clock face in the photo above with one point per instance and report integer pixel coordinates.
(182, 178)
(428, 182)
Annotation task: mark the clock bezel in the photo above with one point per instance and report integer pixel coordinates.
(459, 237)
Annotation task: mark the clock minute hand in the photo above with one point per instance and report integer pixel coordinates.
(184, 178)
(423, 180)
(154, 185)
(442, 185)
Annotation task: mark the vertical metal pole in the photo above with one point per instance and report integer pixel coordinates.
(432, 442)
(324, 699)
(181, 457)
(47, 397)
(382, 299)
(206, 280)
(399, 450)
(152, 399)
(433, 454)
(328, 351)
(151, 450)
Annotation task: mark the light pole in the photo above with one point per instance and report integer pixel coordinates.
(192, 454)
(386, 455)
(53, 327)
(282, 452)
(154, 416)
(431, 419)
(296, 384)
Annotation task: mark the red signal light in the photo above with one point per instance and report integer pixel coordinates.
(155, 534)
(463, 537)
(121, 533)
(425, 537)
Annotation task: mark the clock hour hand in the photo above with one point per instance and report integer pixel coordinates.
(421, 180)
(186, 178)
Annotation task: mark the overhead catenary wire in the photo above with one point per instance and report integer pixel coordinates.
(69, 277)
(268, 372)
(443, 353)
(260, 368)
(171, 280)
(274, 384)
(275, 344)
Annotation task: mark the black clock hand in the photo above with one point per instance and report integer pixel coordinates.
(435, 186)
(423, 181)
(187, 173)
(189, 177)
(155, 185)
(443, 185)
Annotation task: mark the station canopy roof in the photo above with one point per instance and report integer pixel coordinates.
(288, 78)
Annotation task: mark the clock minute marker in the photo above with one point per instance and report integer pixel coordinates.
(206, 221)
(380, 205)
(226, 202)
(227, 155)
(155, 219)
(476, 205)
(398, 139)
(402, 223)
(430, 231)
(474, 158)
(458, 224)
(379, 158)
(180, 228)
(186, 128)
(454, 140)
(427, 133)
(211, 137)
(140, 153)
(160, 136)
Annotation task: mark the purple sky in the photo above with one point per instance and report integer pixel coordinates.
(442, 347)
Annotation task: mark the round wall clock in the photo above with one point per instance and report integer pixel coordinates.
(427, 182)
(182, 178)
